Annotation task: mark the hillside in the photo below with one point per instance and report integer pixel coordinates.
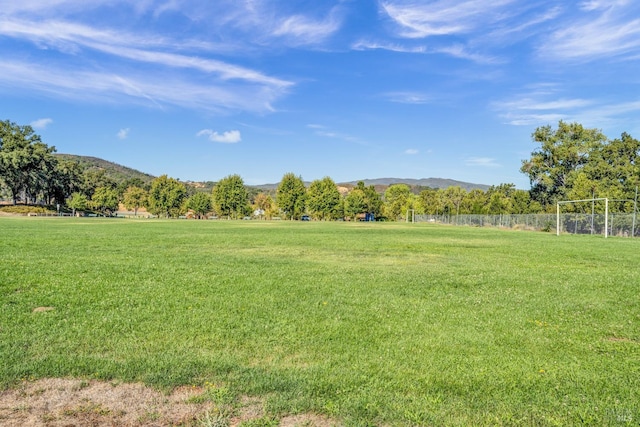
(382, 184)
(121, 173)
(424, 182)
(116, 172)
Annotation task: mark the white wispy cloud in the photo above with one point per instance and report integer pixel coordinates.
(123, 133)
(41, 123)
(605, 29)
(151, 89)
(384, 45)
(411, 151)
(70, 37)
(323, 131)
(545, 105)
(442, 17)
(407, 97)
(486, 162)
(139, 65)
(227, 137)
(301, 30)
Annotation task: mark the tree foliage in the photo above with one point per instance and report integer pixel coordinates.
(78, 202)
(200, 203)
(324, 200)
(291, 196)
(230, 197)
(575, 163)
(166, 196)
(135, 198)
(105, 200)
(562, 153)
(396, 199)
(26, 163)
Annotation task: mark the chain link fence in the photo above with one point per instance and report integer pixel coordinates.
(622, 225)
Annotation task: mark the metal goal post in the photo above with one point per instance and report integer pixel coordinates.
(566, 202)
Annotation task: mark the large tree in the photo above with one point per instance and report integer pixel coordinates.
(291, 196)
(324, 200)
(77, 202)
(562, 153)
(134, 198)
(200, 204)
(26, 163)
(66, 180)
(396, 200)
(230, 197)
(166, 196)
(105, 200)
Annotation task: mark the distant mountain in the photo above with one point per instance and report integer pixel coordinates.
(381, 184)
(121, 173)
(116, 172)
(423, 182)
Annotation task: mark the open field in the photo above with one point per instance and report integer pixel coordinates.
(368, 324)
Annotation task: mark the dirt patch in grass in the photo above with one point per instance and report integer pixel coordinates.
(59, 402)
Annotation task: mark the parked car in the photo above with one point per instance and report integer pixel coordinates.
(305, 218)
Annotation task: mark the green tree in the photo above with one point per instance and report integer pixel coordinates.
(77, 202)
(499, 199)
(615, 171)
(105, 200)
(96, 178)
(474, 202)
(396, 198)
(562, 152)
(26, 163)
(432, 201)
(166, 196)
(230, 197)
(355, 203)
(263, 203)
(324, 200)
(200, 204)
(65, 180)
(134, 198)
(291, 196)
(521, 203)
(453, 198)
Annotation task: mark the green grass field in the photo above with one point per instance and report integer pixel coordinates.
(383, 323)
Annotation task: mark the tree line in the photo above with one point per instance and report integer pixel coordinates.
(571, 162)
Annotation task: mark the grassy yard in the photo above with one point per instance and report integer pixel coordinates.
(394, 324)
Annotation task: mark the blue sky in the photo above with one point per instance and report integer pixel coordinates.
(351, 89)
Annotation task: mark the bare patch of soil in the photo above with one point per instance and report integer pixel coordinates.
(57, 402)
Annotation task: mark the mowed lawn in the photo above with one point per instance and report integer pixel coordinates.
(368, 323)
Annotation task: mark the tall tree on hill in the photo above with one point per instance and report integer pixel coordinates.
(291, 196)
(166, 196)
(230, 197)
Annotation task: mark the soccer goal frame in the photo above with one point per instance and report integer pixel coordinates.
(606, 213)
